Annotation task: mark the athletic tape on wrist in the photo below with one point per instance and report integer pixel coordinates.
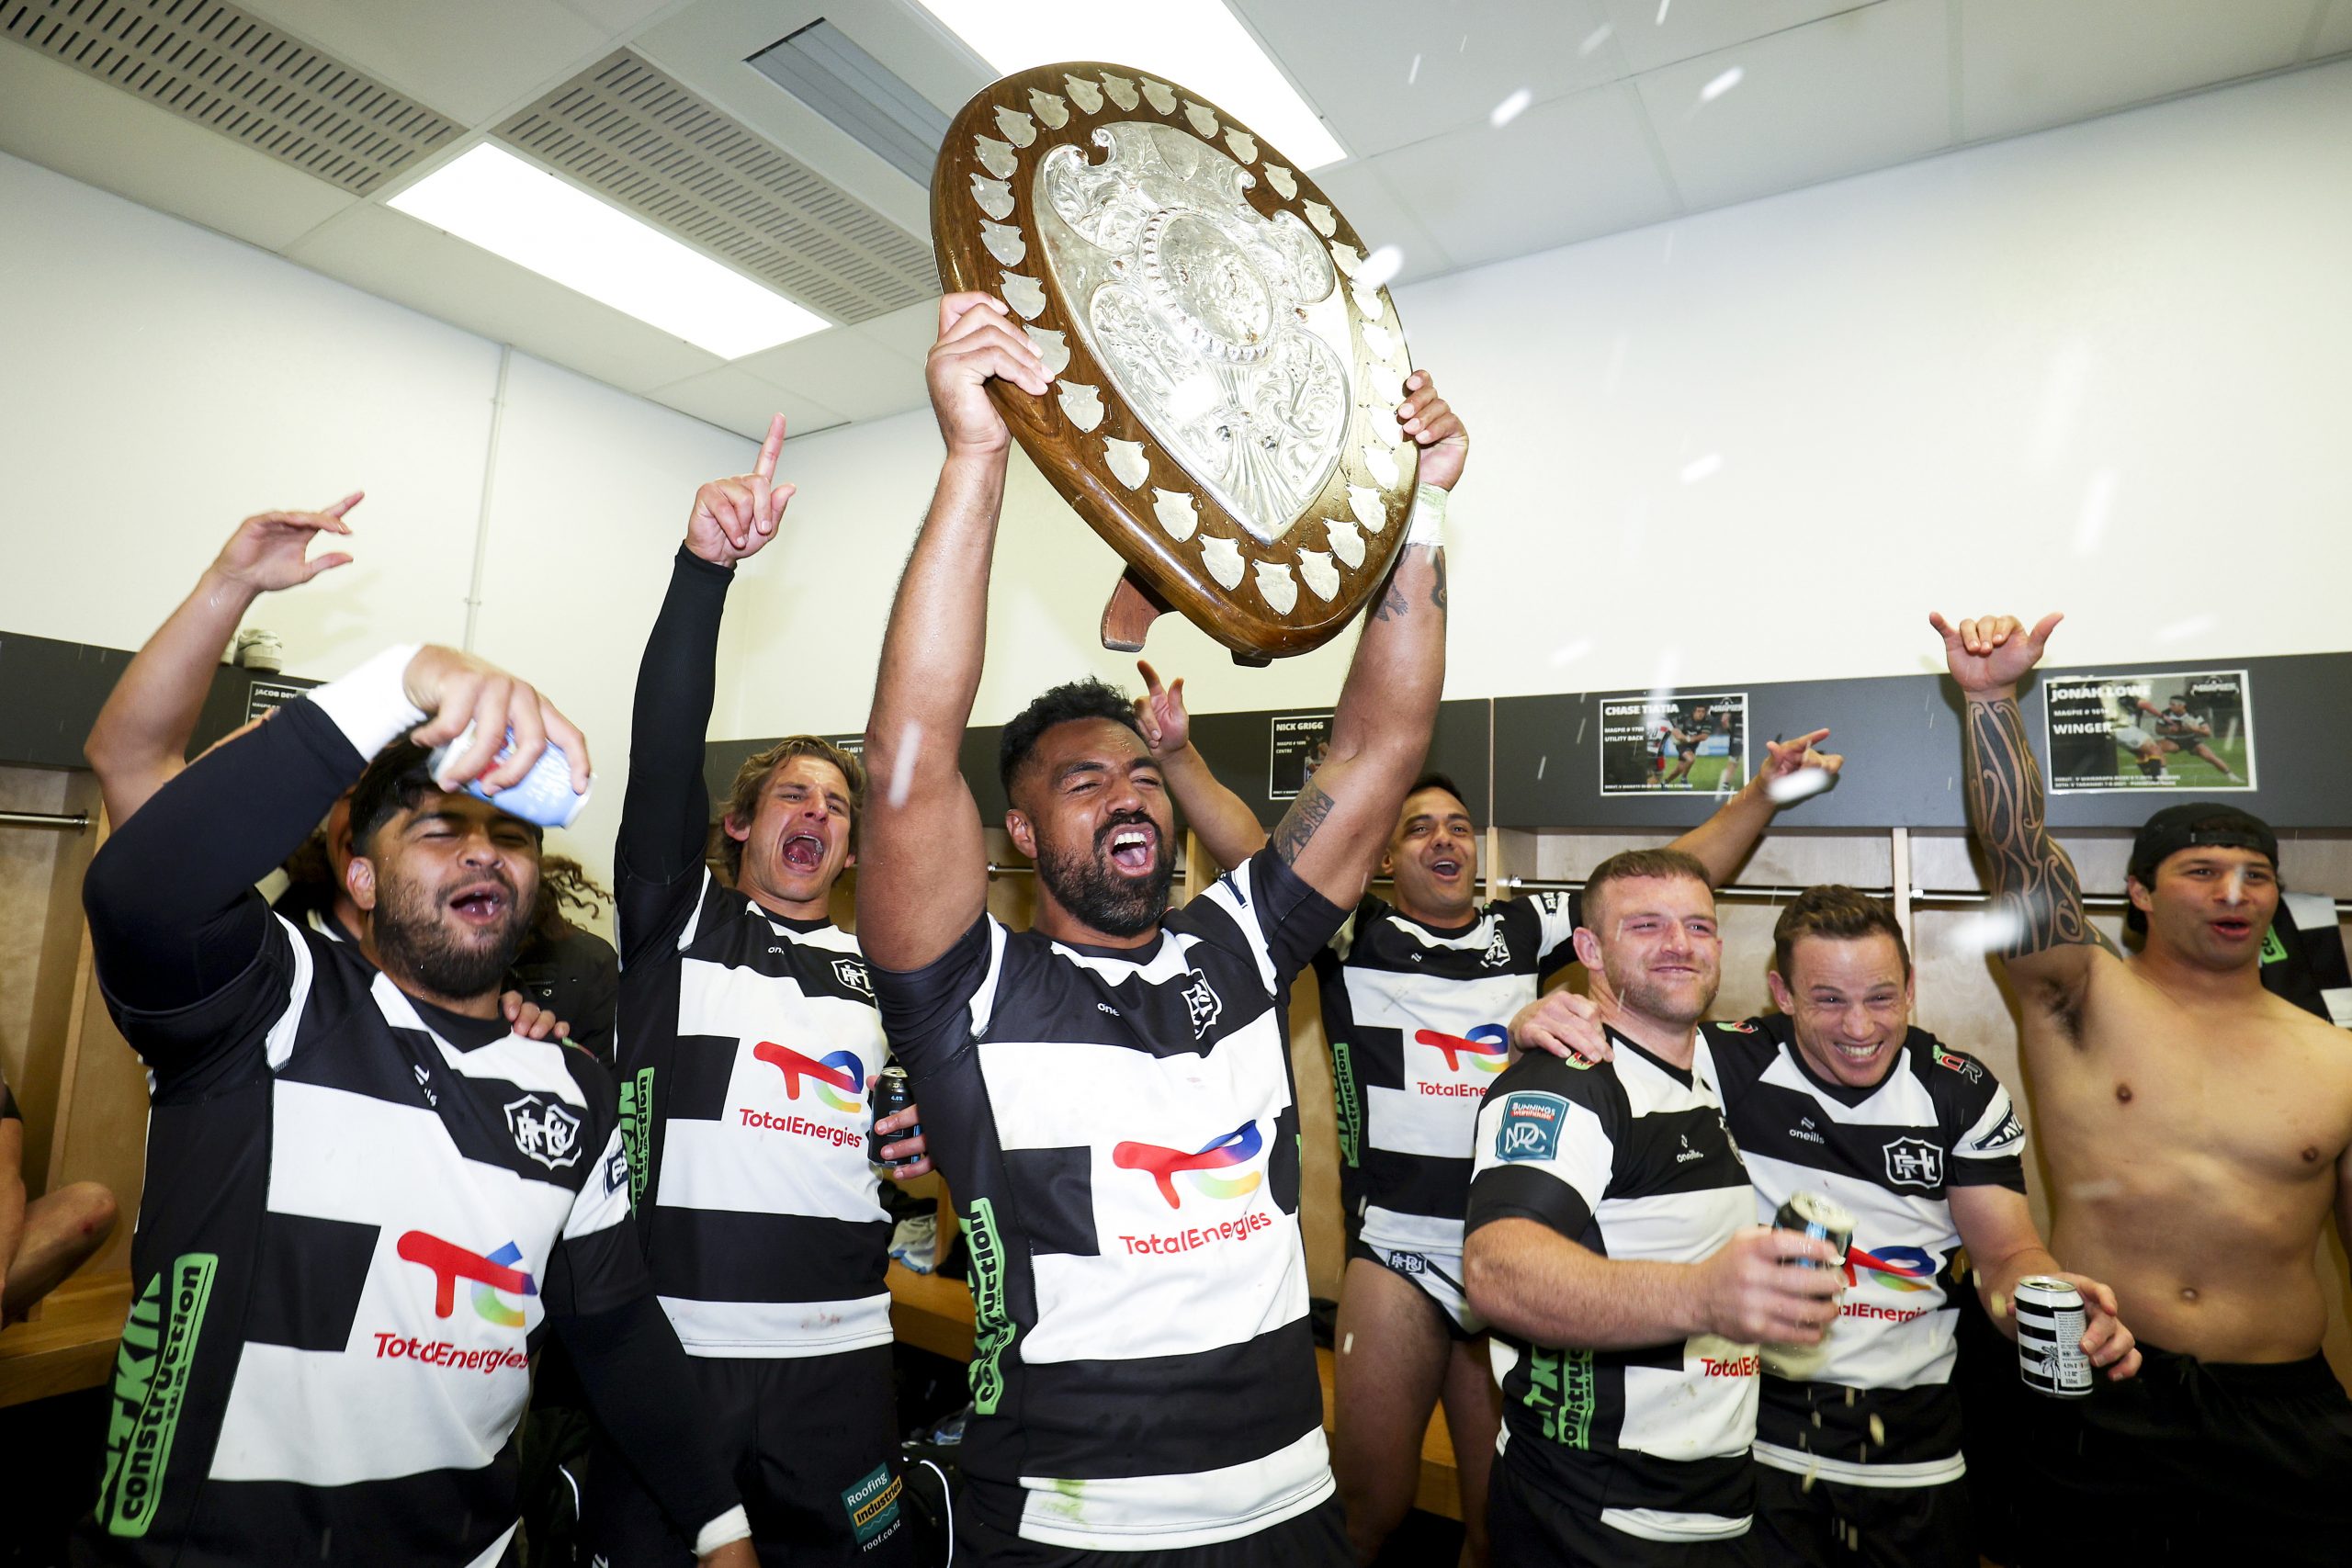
(732, 1526)
(1428, 524)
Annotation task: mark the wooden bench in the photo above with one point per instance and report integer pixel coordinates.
(70, 1342)
(935, 1314)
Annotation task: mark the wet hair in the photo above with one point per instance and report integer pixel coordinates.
(1839, 914)
(396, 780)
(1632, 865)
(1065, 704)
(751, 782)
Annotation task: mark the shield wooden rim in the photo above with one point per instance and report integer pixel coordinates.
(1246, 617)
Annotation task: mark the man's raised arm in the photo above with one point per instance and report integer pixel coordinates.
(922, 866)
(1336, 830)
(140, 742)
(1722, 842)
(2052, 948)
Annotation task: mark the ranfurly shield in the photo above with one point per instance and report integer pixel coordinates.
(1225, 379)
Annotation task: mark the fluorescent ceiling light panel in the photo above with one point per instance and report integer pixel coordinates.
(1195, 43)
(513, 208)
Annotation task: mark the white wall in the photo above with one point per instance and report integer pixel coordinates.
(159, 382)
(2101, 370)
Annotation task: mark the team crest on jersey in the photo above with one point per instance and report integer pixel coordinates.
(2009, 1131)
(1914, 1162)
(1529, 1127)
(1498, 953)
(851, 973)
(1960, 1065)
(544, 1131)
(1202, 1002)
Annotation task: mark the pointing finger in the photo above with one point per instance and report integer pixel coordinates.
(765, 467)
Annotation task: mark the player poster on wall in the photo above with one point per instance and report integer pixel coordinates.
(1296, 749)
(1693, 740)
(2190, 731)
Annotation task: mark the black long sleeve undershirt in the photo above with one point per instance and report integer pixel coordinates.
(666, 811)
(633, 1368)
(173, 915)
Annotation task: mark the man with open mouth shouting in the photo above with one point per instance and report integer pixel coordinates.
(1110, 1090)
(747, 1042)
(1415, 990)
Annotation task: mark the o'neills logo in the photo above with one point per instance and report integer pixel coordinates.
(1731, 1366)
(1192, 1238)
(151, 1376)
(442, 1353)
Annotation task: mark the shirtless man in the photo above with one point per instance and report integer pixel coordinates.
(2200, 1132)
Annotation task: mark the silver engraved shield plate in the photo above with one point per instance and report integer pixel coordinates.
(1226, 332)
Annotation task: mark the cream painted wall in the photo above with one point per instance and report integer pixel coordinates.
(2075, 371)
(159, 382)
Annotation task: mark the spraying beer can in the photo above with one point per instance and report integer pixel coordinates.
(892, 1094)
(543, 795)
(2050, 1321)
(1812, 1214)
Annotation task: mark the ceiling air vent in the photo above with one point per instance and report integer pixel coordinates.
(216, 65)
(644, 142)
(823, 68)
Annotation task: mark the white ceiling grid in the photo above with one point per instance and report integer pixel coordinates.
(1635, 111)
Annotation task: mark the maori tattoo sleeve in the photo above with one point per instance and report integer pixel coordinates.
(2031, 874)
(1299, 823)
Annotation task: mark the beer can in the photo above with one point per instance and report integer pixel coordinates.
(544, 796)
(892, 1094)
(1819, 1217)
(2050, 1321)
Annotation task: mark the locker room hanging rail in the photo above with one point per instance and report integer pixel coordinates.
(77, 821)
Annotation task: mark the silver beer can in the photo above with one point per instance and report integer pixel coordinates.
(2050, 1321)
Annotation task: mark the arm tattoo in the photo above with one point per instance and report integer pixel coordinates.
(1298, 824)
(1392, 604)
(2031, 874)
(1437, 588)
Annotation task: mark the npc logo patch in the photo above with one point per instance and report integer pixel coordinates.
(1528, 1128)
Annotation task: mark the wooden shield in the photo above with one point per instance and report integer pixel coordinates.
(1224, 385)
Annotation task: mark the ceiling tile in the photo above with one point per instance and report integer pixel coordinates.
(53, 114)
(1651, 33)
(842, 370)
(1856, 91)
(1385, 73)
(412, 263)
(1563, 170)
(618, 17)
(2334, 34)
(909, 332)
(2027, 63)
(468, 60)
(1380, 218)
(737, 401)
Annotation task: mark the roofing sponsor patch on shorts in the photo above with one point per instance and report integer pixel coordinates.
(872, 1502)
(1529, 1126)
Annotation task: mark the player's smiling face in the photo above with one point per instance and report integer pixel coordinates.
(797, 844)
(1434, 859)
(448, 885)
(1850, 1002)
(2210, 905)
(1091, 809)
(1658, 946)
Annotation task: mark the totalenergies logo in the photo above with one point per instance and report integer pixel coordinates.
(1164, 1166)
(1897, 1268)
(1487, 1045)
(451, 1263)
(841, 1071)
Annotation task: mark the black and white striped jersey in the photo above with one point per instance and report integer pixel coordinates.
(1889, 1155)
(748, 1043)
(359, 1213)
(1631, 1159)
(1120, 1132)
(1419, 1021)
